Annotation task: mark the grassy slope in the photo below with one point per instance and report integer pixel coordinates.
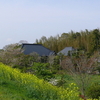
(9, 90)
(21, 86)
(15, 89)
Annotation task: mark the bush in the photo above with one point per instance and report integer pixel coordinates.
(42, 70)
(94, 91)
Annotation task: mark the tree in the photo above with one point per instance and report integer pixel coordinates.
(10, 53)
(13, 55)
(80, 67)
(84, 40)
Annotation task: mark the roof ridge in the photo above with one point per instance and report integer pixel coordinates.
(30, 44)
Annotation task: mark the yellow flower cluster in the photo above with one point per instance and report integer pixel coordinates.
(39, 88)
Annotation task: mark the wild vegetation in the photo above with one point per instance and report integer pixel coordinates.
(59, 77)
(34, 88)
(88, 41)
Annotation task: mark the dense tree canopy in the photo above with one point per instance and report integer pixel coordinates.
(83, 40)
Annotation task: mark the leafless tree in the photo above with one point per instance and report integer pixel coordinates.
(51, 60)
(80, 68)
(10, 54)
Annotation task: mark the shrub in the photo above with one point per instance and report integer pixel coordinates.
(94, 91)
(42, 70)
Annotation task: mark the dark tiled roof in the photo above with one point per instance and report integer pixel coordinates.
(38, 48)
(66, 50)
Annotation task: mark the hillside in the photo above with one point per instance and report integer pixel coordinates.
(15, 85)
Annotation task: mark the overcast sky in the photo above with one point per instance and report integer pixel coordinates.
(31, 19)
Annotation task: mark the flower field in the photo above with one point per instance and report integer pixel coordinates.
(34, 88)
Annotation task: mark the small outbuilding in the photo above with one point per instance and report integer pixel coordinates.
(66, 50)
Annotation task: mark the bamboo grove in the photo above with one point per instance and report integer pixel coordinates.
(83, 40)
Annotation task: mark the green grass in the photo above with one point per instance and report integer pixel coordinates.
(89, 81)
(10, 90)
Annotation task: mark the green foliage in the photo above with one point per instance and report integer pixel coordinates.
(42, 70)
(83, 40)
(11, 90)
(35, 88)
(61, 82)
(94, 91)
(98, 68)
(57, 61)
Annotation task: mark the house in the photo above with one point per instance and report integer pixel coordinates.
(66, 50)
(37, 48)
